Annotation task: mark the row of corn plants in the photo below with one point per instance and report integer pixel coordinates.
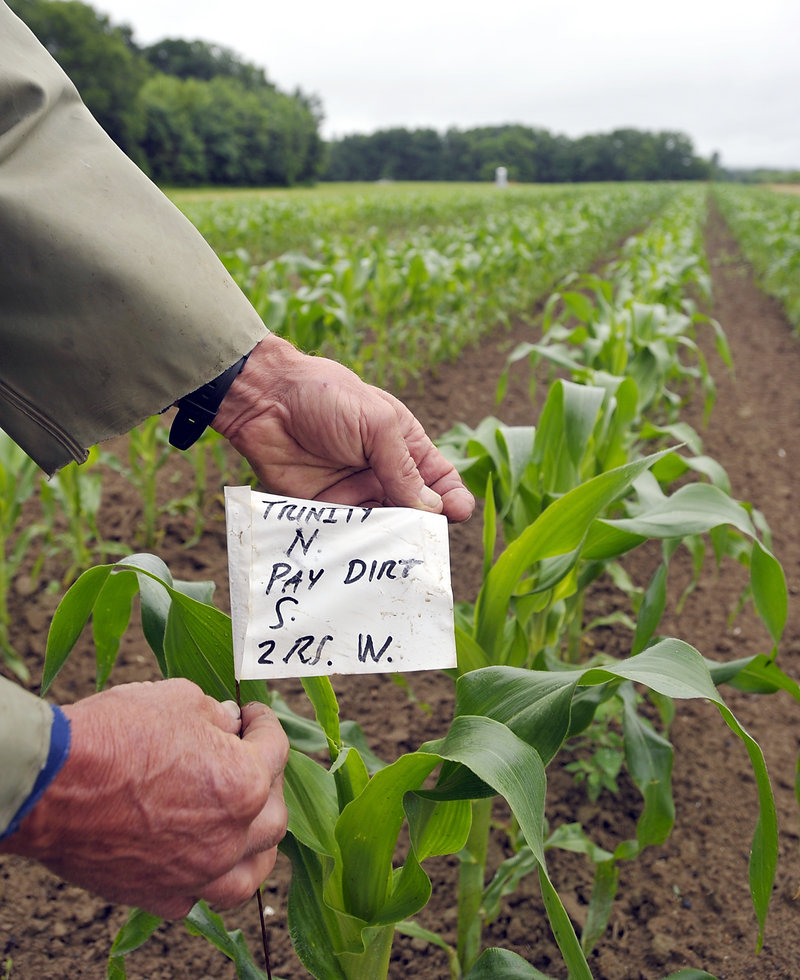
(421, 275)
(267, 223)
(55, 524)
(767, 226)
(628, 340)
(56, 519)
(564, 502)
(391, 279)
(18, 476)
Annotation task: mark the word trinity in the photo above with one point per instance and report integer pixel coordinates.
(283, 510)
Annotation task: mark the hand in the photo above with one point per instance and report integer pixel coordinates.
(160, 802)
(311, 428)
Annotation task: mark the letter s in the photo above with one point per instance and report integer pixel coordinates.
(279, 613)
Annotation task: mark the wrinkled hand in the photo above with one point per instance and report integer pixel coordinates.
(311, 428)
(160, 802)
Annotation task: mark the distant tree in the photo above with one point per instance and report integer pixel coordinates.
(677, 158)
(220, 132)
(204, 61)
(189, 112)
(528, 154)
(457, 156)
(175, 151)
(100, 59)
(424, 161)
(316, 148)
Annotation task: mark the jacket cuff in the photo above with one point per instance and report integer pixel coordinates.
(60, 742)
(26, 722)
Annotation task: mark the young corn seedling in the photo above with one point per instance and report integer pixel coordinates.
(347, 894)
(530, 477)
(74, 495)
(18, 479)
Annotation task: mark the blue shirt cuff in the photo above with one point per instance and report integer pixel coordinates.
(60, 739)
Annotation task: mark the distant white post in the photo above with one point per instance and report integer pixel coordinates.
(501, 177)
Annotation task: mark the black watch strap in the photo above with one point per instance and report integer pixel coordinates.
(199, 408)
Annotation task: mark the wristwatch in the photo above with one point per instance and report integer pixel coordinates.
(199, 408)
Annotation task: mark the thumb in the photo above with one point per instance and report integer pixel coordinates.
(397, 472)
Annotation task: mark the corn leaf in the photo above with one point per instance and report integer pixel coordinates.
(558, 530)
(503, 964)
(138, 928)
(367, 833)
(111, 614)
(649, 758)
(310, 794)
(70, 618)
(769, 590)
(651, 610)
(314, 928)
(534, 705)
(201, 921)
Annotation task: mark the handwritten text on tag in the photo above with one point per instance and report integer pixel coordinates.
(322, 588)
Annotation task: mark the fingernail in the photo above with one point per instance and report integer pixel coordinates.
(430, 499)
(232, 708)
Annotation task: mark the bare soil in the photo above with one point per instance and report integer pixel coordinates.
(684, 904)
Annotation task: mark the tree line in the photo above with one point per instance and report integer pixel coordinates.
(193, 113)
(187, 112)
(528, 155)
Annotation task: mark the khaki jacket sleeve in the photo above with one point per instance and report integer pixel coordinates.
(25, 723)
(112, 305)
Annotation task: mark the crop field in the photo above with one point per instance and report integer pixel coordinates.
(608, 786)
(394, 283)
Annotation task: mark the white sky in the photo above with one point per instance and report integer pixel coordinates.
(726, 72)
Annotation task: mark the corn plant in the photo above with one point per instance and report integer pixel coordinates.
(390, 296)
(70, 503)
(585, 430)
(148, 452)
(542, 587)
(767, 226)
(346, 897)
(639, 319)
(209, 449)
(18, 478)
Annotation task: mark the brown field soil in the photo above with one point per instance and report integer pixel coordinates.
(684, 904)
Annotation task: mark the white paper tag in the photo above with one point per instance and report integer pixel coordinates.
(322, 588)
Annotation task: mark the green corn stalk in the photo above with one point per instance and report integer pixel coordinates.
(193, 502)
(346, 896)
(415, 293)
(583, 431)
(75, 495)
(148, 452)
(18, 477)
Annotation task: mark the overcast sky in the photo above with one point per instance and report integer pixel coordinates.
(726, 72)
